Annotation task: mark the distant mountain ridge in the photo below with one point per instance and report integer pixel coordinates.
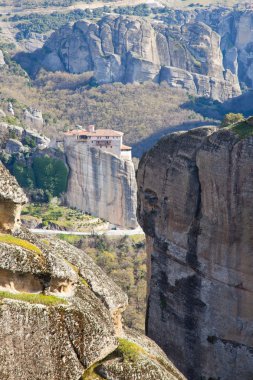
(186, 53)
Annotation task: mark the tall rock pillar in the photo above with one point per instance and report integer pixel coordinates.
(195, 204)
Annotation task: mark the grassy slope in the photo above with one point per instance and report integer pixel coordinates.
(137, 110)
(62, 216)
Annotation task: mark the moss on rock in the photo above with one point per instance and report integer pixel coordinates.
(9, 239)
(33, 298)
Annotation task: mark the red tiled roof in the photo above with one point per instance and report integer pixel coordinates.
(125, 147)
(98, 132)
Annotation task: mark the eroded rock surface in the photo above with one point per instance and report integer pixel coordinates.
(101, 184)
(11, 199)
(33, 118)
(2, 61)
(195, 206)
(131, 49)
(60, 315)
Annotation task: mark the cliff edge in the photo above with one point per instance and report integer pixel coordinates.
(60, 315)
(102, 184)
(195, 206)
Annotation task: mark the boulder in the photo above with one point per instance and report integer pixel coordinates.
(33, 118)
(14, 146)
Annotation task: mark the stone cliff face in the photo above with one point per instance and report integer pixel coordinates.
(11, 199)
(101, 184)
(60, 315)
(236, 40)
(130, 49)
(195, 206)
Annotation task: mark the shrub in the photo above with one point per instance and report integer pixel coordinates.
(24, 175)
(50, 174)
(231, 118)
(30, 141)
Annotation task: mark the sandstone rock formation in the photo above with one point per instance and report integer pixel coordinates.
(15, 139)
(195, 205)
(101, 184)
(2, 61)
(11, 199)
(60, 315)
(130, 49)
(33, 118)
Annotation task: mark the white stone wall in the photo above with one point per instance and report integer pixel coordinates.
(113, 144)
(126, 155)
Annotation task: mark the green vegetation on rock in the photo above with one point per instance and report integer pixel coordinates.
(129, 350)
(24, 175)
(43, 23)
(231, 118)
(9, 239)
(50, 174)
(47, 174)
(60, 217)
(243, 128)
(33, 298)
(90, 373)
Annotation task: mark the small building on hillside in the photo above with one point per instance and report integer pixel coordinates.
(107, 140)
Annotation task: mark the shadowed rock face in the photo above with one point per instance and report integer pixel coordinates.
(130, 49)
(195, 205)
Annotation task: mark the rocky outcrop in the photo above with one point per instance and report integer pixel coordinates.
(2, 61)
(11, 199)
(33, 118)
(60, 315)
(15, 139)
(235, 30)
(236, 39)
(195, 206)
(130, 49)
(101, 184)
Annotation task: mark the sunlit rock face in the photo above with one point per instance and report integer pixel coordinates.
(61, 316)
(195, 206)
(131, 49)
(101, 184)
(11, 199)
